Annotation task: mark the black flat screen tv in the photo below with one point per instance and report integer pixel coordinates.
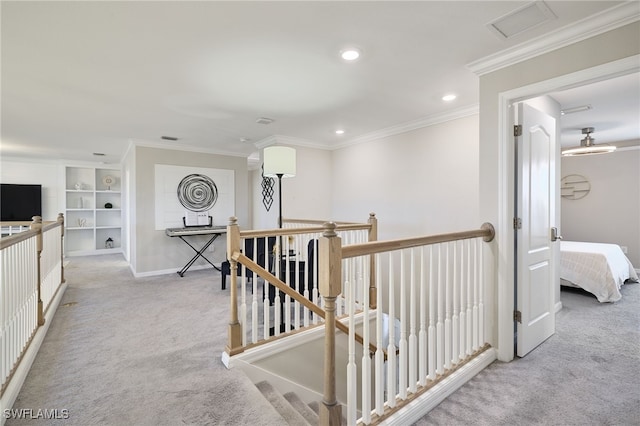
(20, 202)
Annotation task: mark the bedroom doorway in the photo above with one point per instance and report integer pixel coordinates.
(534, 224)
(506, 179)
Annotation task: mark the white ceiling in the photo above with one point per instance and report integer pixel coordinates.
(85, 77)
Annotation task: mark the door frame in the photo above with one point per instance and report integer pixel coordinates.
(506, 177)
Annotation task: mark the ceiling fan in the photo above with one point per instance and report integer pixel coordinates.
(588, 146)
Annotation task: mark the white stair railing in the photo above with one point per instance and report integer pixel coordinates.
(432, 323)
(31, 274)
(259, 310)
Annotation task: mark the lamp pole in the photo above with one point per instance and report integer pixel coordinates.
(280, 274)
(279, 201)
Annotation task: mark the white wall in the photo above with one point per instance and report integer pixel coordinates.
(496, 172)
(305, 196)
(610, 213)
(48, 174)
(420, 182)
(154, 251)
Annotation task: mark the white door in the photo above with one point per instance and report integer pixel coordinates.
(535, 212)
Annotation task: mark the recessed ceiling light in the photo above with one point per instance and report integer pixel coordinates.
(339, 132)
(350, 54)
(449, 97)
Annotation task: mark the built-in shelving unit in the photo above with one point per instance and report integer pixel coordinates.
(93, 210)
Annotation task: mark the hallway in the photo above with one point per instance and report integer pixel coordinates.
(139, 352)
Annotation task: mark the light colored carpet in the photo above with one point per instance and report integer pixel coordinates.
(588, 373)
(125, 351)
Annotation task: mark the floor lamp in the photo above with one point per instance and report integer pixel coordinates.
(280, 162)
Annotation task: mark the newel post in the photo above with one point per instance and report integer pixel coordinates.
(234, 331)
(61, 222)
(373, 287)
(37, 226)
(330, 276)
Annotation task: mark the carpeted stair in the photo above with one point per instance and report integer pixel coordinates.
(288, 410)
(293, 409)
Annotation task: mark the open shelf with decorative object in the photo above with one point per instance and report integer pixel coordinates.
(93, 210)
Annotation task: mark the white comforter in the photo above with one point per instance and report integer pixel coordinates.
(598, 268)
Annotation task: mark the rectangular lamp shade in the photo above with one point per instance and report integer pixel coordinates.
(279, 160)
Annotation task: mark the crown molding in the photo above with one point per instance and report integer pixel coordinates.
(174, 146)
(288, 140)
(600, 23)
(429, 120)
(34, 160)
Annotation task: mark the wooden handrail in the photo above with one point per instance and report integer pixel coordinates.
(10, 240)
(316, 222)
(16, 238)
(487, 232)
(282, 286)
(307, 230)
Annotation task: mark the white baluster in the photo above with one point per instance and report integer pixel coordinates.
(265, 311)
(447, 304)
(243, 303)
(440, 323)
(481, 284)
(475, 296)
(455, 347)
(379, 361)
(463, 306)
(422, 334)
(469, 296)
(413, 338)
(254, 298)
(298, 286)
(431, 345)
(366, 358)
(391, 348)
(307, 280)
(402, 391)
(352, 390)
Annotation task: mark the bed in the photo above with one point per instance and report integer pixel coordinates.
(598, 268)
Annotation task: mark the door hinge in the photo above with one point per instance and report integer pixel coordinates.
(517, 130)
(517, 316)
(517, 223)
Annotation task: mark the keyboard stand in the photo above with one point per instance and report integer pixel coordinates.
(181, 233)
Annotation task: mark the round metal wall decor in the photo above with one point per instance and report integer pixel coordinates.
(574, 187)
(197, 193)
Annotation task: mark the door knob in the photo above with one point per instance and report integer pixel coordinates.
(554, 234)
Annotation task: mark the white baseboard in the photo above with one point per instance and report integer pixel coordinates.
(166, 271)
(419, 407)
(558, 307)
(13, 389)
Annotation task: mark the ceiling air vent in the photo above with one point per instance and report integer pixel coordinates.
(264, 120)
(520, 20)
(169, 138)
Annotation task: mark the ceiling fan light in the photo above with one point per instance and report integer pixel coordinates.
(587, 146)
(588, 150)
